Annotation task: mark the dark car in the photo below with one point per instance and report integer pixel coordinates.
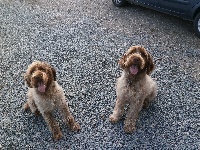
(187, 9)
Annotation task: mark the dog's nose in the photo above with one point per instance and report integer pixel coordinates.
(38, 78)
(136, 59)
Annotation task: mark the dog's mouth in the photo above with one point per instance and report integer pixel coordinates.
(134, 69)
(41, 87)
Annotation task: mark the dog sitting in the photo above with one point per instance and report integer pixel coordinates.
(135, 87)
(45, 94)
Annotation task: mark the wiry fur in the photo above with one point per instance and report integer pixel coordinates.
(137, 89)
(50, 98)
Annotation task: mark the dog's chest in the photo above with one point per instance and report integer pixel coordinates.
(129, 89)
(44, 103)
(133, 89)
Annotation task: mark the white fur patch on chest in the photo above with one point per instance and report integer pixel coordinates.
(43, 104)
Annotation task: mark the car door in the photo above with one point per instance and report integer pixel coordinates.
(147, 3)
(178, 6)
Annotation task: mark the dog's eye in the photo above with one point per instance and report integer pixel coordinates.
(32, 71)
(42, 69)
(143, 54)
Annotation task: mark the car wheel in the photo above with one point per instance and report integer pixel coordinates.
(197, 25)
(119, 3)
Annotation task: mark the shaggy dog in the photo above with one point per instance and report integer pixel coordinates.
(135, 87)
(45, 94)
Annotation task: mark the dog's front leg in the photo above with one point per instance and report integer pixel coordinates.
(118, 111)
(132, 115)
(31, 104)
(74, 126)
(52, 124)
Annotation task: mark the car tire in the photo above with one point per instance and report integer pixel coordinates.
(197, 25)
(119, 3)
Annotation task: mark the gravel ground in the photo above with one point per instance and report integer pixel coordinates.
(83, 41)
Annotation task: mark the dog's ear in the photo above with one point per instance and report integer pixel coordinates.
(122, 61)
(54, 73)
(28, 74)
(27, 78)
(149, 64)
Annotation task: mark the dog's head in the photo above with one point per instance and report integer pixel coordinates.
(137, 60)
(40, 75)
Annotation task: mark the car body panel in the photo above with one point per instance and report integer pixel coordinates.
(182, 8)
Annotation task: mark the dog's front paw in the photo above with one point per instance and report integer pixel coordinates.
(75, 127)
(113, 119)
(37, 113)
(57, 135)
(25, 106)
(129, 127)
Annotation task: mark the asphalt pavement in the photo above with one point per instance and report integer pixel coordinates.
(83, 40)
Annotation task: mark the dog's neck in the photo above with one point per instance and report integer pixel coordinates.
(132, 79)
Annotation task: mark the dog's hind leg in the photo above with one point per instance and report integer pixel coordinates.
(150, 98)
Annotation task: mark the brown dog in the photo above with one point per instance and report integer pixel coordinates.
(135, 87)
(45, 95)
